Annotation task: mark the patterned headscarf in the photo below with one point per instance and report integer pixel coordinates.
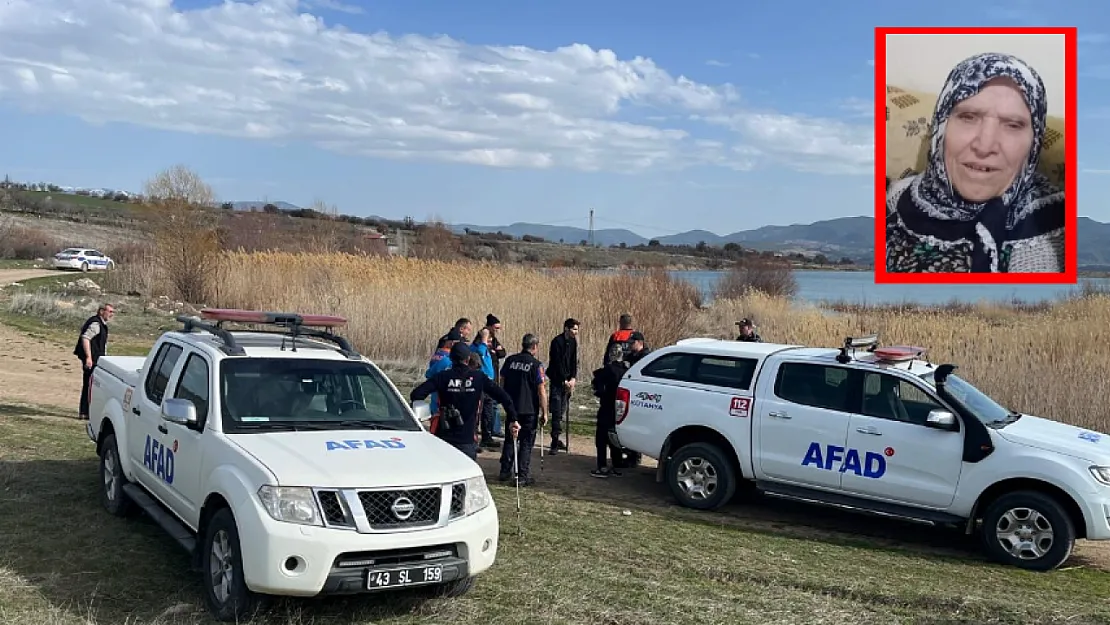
(933, 192)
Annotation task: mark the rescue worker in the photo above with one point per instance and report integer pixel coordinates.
(562, 371)
(523, 379)
(460, 391)
(629, 458)
(606, 381)
(498, 353)
(463, 327)
(92, 343)
(637, 348)
(620, 337)
(747, 331)
(441, 361)
(481, 349)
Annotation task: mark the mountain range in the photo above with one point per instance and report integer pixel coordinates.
(850, 237)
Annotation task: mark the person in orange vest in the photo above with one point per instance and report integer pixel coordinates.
(622, 337)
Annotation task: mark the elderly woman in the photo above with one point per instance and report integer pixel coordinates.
(981, 205)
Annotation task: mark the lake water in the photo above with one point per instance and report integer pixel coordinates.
(859, 287)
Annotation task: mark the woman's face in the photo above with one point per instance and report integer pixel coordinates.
(987, 141)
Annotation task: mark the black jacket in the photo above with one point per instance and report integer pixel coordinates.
(522, 376)
(462, 387)
(99, 343)
(609, 378)
(562, 359)
(634, 357)
(496, 353)
(751, 338)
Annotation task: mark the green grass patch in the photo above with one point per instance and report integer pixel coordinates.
(65, 560)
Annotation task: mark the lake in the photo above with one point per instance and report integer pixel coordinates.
(859, 287)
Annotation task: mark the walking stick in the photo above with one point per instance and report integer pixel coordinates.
(516, 478)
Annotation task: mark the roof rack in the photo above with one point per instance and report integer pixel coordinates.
(864, 342)
(294, 325)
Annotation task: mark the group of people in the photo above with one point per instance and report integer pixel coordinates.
(467, 377)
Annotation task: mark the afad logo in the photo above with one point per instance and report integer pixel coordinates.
(388, 443)
(873, 465)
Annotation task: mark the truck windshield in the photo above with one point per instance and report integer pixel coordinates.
(975, 401)
(259, 394)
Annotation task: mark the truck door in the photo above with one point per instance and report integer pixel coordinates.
(903, 461)
(803, 416)
(155, 463)
(183, 442)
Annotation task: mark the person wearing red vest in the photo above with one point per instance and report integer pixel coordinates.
(622, 337)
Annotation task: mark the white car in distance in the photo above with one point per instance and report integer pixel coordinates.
(83, 259)
(287, 464)
(875, 429)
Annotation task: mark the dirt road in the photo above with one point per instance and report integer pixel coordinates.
(8, 276)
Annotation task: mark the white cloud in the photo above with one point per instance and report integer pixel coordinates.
(716, 63)
(335, 5)
(270, 70)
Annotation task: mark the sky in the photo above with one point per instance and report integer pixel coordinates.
(660, 116)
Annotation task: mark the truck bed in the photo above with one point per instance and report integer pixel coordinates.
(126, 368)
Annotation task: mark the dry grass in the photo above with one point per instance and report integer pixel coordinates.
(1044, 360)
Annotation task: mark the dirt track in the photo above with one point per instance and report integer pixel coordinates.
(39, 372)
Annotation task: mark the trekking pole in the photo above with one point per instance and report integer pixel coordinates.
(516, 478)
(566, 410)
(541, 444)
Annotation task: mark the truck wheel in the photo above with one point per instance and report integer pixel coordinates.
(112, 497)
(701, 476)
(1028, 529)
(221, 564)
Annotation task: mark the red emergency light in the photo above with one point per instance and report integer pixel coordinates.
(235, 315)
(898, 353)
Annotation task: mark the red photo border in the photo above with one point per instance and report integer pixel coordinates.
(1071, 211)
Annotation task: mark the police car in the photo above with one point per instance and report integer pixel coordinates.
(286, 464)
(875, 429)
(84, 259)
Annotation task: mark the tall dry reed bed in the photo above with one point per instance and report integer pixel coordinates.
(1050, 361)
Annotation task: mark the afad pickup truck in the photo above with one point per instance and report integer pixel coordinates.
(878, 430)
(286, 464)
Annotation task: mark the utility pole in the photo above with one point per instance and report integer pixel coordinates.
(590, 239)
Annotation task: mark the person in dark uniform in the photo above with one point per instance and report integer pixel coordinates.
(497, 353)
(562, 371)
(92, 343)
(606, 381)
(637, 349)
(460, 391)
(747, 331)
(523, 378)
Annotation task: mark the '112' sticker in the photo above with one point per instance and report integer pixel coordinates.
(740, 407)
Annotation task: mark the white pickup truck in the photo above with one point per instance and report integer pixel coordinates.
(287, 464)
(878, 430)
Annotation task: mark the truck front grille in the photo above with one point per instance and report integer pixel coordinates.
(392, 509)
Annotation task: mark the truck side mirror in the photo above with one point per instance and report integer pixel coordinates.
(179, 411)
(423, 410)
(941, 420)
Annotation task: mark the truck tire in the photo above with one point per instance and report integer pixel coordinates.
(112, 480)
(221, 564)
(1034, 525)
(701, 477)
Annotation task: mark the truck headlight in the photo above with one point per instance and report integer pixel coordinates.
(477, 495)
(291, 504)
(1101, 474)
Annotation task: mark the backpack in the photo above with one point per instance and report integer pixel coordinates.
(621, 337)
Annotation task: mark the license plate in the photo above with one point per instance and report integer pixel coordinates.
(410, 576)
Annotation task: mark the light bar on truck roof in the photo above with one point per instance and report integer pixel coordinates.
(898, 353)
(234, 315)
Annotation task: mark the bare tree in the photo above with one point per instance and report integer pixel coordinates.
(771, 276)
(186, 231)
(181, 187)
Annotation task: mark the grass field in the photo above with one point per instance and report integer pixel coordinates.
(64, 560)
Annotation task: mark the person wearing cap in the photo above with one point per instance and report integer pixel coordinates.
(460, 390)
(747, 331)
(620, 337)
(636, 348)
(441, 361)
(497, 354)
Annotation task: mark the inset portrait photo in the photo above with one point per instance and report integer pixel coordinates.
(975, 155)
